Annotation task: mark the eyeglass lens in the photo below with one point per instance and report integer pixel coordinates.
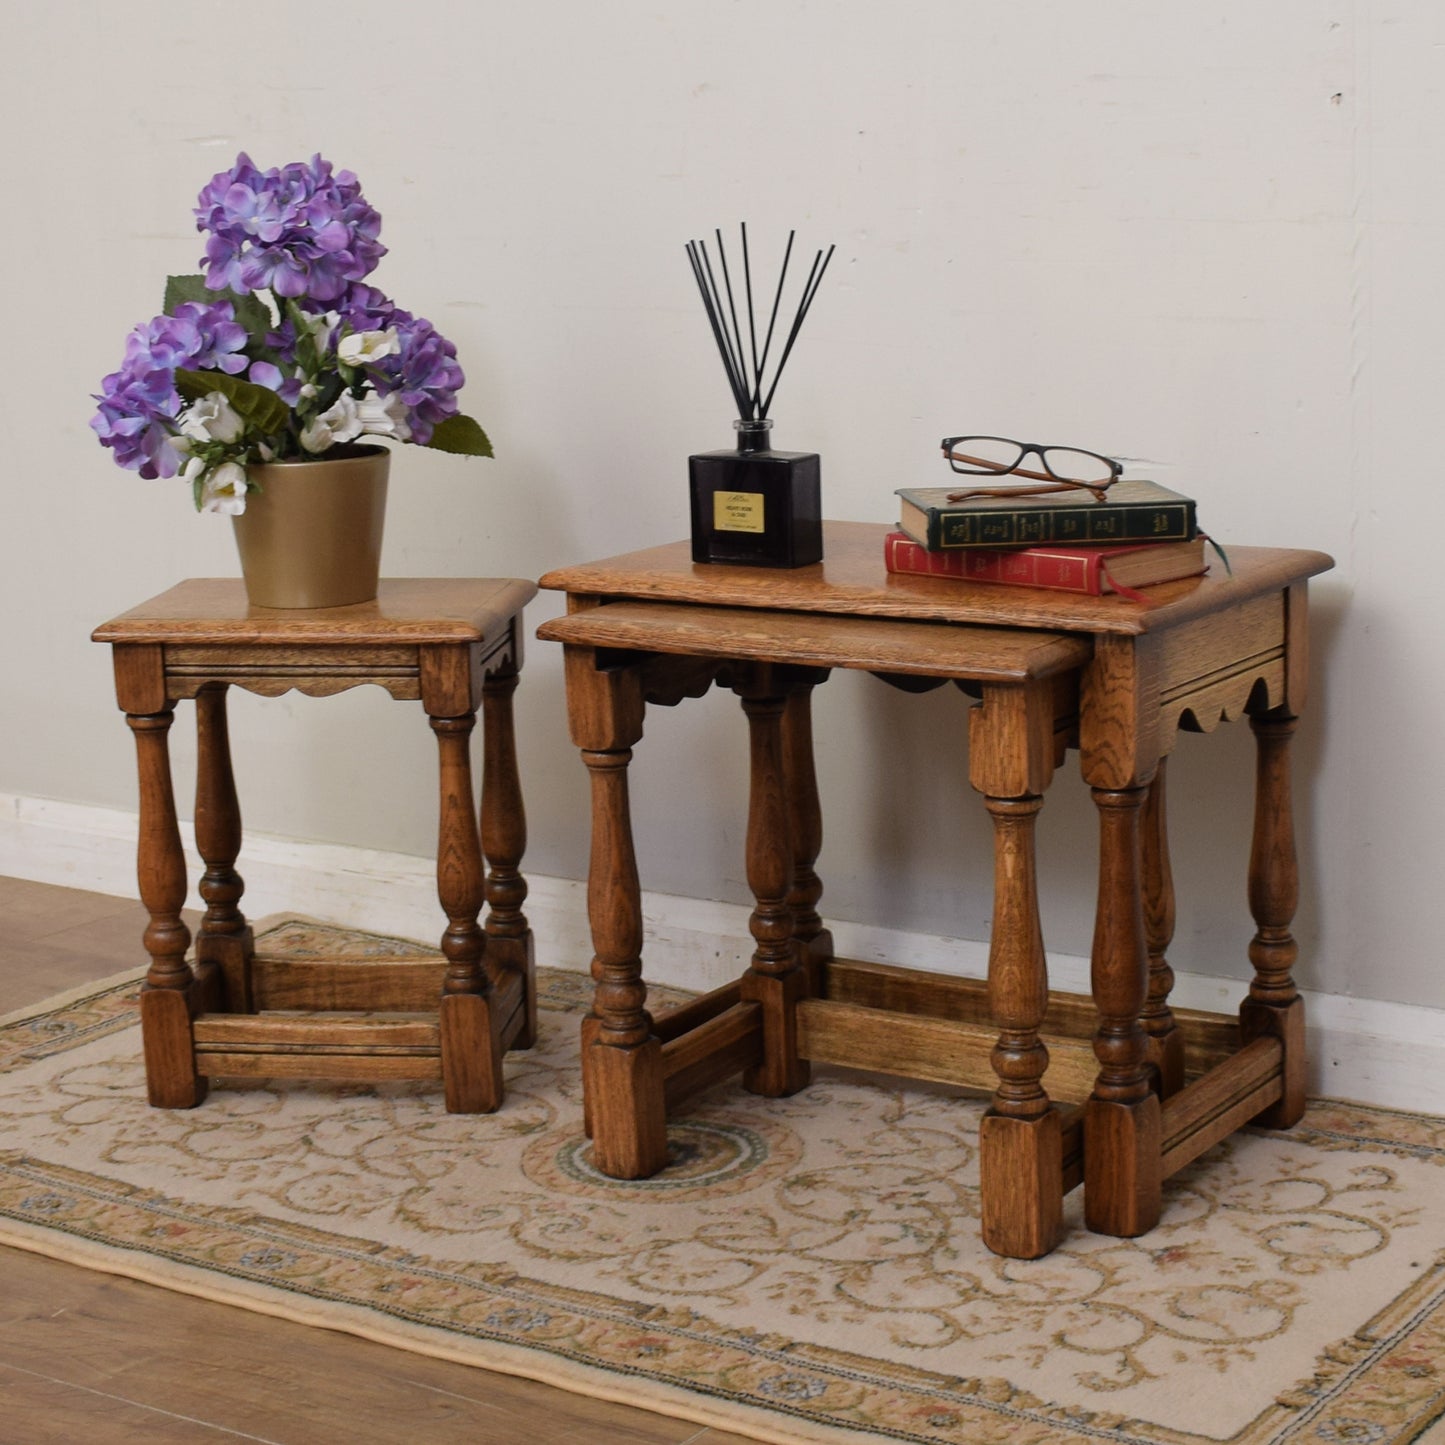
(998, 454)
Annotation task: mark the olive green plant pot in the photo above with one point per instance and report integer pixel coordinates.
(311, 532)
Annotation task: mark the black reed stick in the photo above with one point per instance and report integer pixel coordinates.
(748, 282)
(734, 349)
(722, 257)
(810, 290)
(707, 305)
(782, 276)
(714, 319)
(727, 333)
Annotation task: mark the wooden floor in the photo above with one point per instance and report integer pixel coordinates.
(87, 1357)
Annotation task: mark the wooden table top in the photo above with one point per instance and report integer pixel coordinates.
(851, 580)
(406, 610)
(817, 639)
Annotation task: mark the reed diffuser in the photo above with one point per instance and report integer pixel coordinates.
(750, 504)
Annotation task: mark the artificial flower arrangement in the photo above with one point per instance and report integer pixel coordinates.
(281, 351)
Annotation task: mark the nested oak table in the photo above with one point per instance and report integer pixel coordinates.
(1116, 1092)
(454, 645)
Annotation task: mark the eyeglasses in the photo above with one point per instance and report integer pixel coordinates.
(1064, 468)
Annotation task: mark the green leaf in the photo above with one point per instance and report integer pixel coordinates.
(186, 288)
(460, 434)
(260, 408)
(251, 311)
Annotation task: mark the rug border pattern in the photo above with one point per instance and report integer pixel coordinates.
(649, 1356)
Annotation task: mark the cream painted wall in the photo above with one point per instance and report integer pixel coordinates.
(1206, 235)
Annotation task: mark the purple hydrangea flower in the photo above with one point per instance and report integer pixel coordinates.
(300, 230)
(303, 235)
(207, 338)
(365, 308)
(139, 403)
(264, 373)
(135, 406)
(425, 374)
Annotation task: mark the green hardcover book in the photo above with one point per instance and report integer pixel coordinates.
(1131, 511)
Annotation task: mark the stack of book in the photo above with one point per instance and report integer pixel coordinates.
(1139, 534)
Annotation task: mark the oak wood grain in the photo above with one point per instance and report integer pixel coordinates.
(388, 985)
(819, 640)
(686, 1017)
(450, 642)
(851, 579)
(714, 1034)
(1021, 1169)
(805, 827)
(337, 1062)
(944, 1051)
(1166, 1041)
(302, 1032)
(406, 609)
(1113, 675)
(776, 978)
(1209, 1037)
(1213, 1107)
(729, 1044)
(1274, 1005)
(502, 829)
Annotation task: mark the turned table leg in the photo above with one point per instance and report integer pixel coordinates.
(1020, 1139)
(504, 840)
(1165, 1040)
(165, 1003)
(1122, 1175)
(625, 1110)
(1011, 759)
(776, 978)
(1274, 1006)
(814, 943)
(622, 1060)
(471, 1049)
(224, 944)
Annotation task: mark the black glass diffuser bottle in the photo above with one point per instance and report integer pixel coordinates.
(756, 506)
(753, 506)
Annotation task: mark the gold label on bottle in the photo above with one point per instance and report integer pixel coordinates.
(737, 511)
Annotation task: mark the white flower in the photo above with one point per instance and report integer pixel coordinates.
(212, 418)
(224, 491)
(384, 416)
(361, 348)
(319, 324)
(339, 424)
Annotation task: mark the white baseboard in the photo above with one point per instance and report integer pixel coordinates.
(1388, 1054)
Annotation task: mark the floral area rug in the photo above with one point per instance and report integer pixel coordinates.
(806, 1269)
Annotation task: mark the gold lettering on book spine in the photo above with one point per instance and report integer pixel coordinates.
(1165, 523)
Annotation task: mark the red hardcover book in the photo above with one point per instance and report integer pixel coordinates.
(1091, 570)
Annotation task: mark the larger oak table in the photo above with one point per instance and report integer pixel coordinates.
(452, 644)
(1116, 1092)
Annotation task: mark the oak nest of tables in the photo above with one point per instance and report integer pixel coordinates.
(1115, 1092)
(455, 645)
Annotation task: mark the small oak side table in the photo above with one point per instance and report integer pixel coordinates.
(1114, 1092)
(454, 645)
